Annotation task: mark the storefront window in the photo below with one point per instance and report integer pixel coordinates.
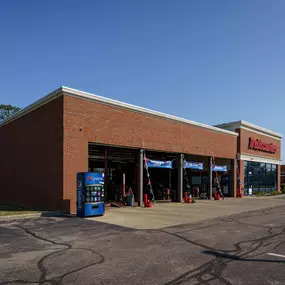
(250, 178)
(255, 177)
(259, 177)
(262, 178)
(268, 177)
(245, 176)
(274, 176)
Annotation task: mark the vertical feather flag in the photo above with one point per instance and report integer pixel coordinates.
(148, 176)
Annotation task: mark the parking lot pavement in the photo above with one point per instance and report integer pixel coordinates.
(163, 215)
(78, 251)
(227, 250)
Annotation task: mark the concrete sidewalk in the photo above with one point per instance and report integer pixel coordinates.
(19, 217)
(163, 215)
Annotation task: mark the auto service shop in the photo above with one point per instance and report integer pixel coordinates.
(46, 144)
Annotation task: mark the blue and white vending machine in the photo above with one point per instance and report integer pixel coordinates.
(90, 194)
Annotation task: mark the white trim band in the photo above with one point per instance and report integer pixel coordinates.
(247, 157)
(232, 126)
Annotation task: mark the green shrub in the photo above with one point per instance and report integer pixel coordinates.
(260, 193)
(283, 188)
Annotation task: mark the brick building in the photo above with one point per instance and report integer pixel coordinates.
(43, 146)
(258, 157)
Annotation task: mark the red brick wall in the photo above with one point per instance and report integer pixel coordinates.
(116, 126)
(75, 154)
(31, 153)
(244, 141)
(42, 151)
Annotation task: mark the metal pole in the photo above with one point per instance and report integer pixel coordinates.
(210, 177)
(135, 185)
(140, 178)
(180, 178)
(124, 187)
(106, 175)
(169, 187)
(233, 179)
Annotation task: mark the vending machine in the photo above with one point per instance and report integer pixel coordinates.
(90, 194)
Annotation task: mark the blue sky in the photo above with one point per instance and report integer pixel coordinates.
(208, 61)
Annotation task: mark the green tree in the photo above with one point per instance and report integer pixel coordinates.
(6, 111)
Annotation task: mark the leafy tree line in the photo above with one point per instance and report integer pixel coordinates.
(7, 110)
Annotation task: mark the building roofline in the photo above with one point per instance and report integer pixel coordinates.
(38, 103)
(247, 125)
(93, 97)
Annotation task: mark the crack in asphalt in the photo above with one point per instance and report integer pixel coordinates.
(56, 280)
(216, 266)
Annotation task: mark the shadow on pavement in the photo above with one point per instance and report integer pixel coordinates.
(238, 258)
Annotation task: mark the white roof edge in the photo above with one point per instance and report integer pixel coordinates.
(242, 123)
(38, 103)
(250, 125)
(82, 94)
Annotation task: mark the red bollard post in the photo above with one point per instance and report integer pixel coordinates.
(185, 197)
(145, 200)
(215, 194)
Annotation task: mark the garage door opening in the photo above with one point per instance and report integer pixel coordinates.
(161, 172)
(120, 167)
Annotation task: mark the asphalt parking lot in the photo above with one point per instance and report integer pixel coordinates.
(240, 249)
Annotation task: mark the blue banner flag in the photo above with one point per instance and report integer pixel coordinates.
(194, 165)
(221, 168)
(159, 163)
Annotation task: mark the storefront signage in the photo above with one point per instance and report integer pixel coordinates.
(257, 144)
(92, 178)
(159, 163)
(221, 168)
(194, 165)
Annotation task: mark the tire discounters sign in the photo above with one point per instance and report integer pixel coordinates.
(257, 144)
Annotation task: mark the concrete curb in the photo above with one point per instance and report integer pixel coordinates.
(11, 218)
(265, 197)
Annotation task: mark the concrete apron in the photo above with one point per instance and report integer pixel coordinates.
(163, 215)
(19, 217)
